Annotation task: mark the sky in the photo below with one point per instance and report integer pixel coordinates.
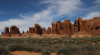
(25, 13)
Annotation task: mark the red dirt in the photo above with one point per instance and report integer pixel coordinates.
(27, 53)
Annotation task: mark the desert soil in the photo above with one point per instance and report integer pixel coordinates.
(27, 53)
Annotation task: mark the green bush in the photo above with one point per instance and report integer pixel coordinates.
(3, 50)
(88, 47)
(19, 47)
(45, 52)
(38, 49)
(64, 51)
(55, 47)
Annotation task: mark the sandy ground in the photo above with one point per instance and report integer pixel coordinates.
(27, 53)
(31, 35)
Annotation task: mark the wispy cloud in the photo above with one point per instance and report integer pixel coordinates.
(97, 1)
(92, 15)
(63, 7)
(56, 9)
(2, 12)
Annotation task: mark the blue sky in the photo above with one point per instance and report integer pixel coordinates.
(25, 13)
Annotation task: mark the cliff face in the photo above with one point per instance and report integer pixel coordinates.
(91, 26)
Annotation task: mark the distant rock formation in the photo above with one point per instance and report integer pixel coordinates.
(66, 27)
(27, 31)
(54, 28)
(31, 30)
(38, 29)
(6, 32)
(44, 31)
(91, 26)
(23, 32)
(48, 30)
(14, 30)
(59, 26)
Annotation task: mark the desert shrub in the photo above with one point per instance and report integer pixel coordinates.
(73, 48)
(38, 49)
(88, 47)
(97, 46)
(65, 41)
(50, 49)
(64, 51)
(3, 44)
(56, 47)
(16, 47)
(55, 42)
(3, 50)
(79, 42)
(45, 52)
(19, 47)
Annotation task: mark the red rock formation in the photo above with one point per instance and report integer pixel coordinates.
(59, 26)
(2, 33)
(61, 32)
(14, 30)
(23, 32)
(72, 28)
(96, 28)
(6, 32)
(80, 24)
(27, 31)
(44, 31)
(38, 29)
(86, 24)
(91, 26)
(31, 30)
(66, 27)
(76, 25)
(54, 28)
(48, 30)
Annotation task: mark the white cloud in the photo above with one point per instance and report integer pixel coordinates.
(45, 17)
(97, 2)
(92, 15)
(11, 22)
(63, 7)
(2, 13)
